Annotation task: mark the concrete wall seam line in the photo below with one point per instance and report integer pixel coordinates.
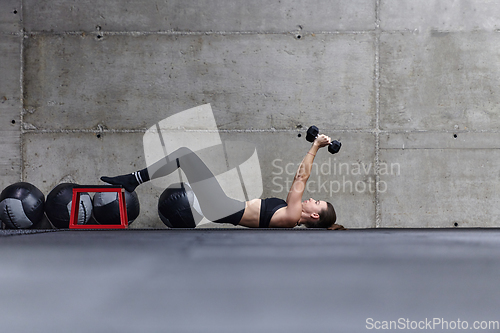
(377, 113)
(199, 33)
(22, 36)
(291, 131)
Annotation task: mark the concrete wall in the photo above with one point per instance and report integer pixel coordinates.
(409, 87)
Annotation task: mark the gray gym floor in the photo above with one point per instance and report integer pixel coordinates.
(246, 280)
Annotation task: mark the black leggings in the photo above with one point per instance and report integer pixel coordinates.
(214, 203)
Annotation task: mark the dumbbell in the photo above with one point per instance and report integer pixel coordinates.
(312, 134)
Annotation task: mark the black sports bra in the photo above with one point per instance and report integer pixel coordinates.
(268, 207)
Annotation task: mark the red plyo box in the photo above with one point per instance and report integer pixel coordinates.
(78, 189)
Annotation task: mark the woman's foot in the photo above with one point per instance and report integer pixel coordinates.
(128, 182)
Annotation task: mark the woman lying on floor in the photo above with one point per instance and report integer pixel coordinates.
(257, 213)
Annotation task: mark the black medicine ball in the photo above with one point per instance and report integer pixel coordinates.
(21, 206)
(59, 202)
(175, 207)
(107, 207)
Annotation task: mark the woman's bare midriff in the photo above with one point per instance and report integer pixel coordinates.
(251, 216)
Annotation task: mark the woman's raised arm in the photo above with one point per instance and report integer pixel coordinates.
(293, 210)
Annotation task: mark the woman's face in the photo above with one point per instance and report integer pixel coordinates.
(312, 206)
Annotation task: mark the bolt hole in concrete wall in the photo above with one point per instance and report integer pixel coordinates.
(13, 121)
